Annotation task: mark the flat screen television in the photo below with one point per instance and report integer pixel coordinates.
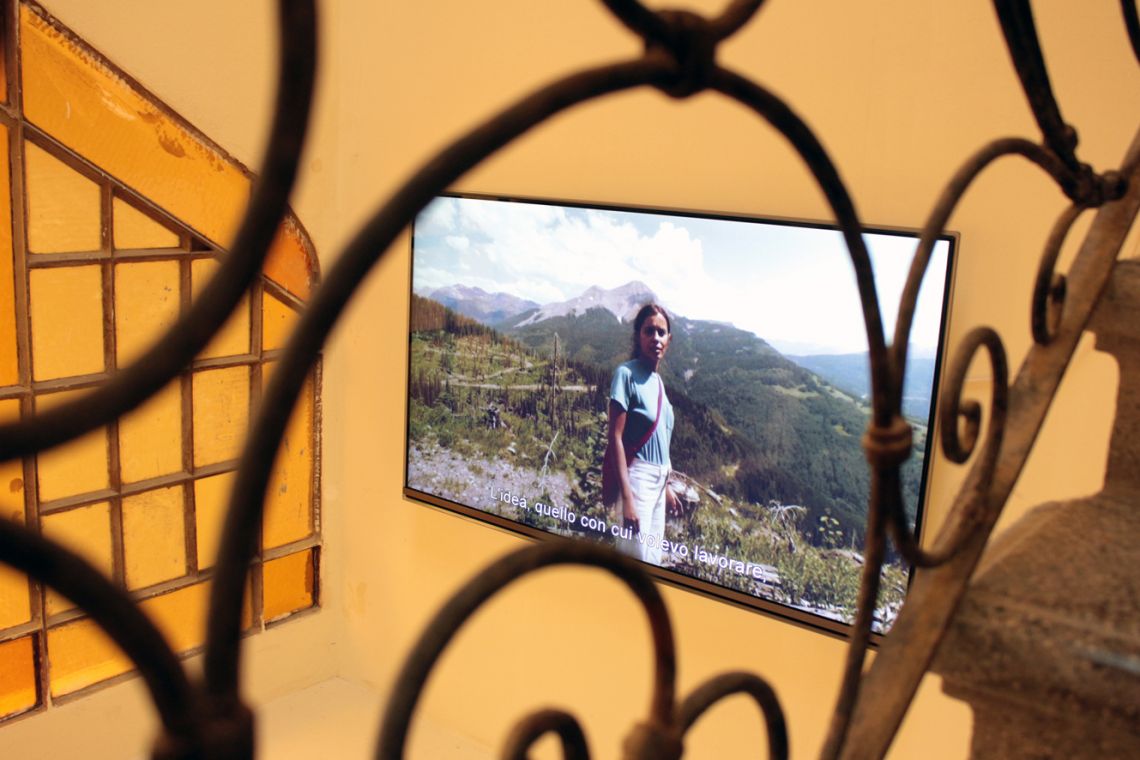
(521, 311)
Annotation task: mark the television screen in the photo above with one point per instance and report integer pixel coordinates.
(739, 404)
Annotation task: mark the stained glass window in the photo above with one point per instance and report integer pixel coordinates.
(114, 214)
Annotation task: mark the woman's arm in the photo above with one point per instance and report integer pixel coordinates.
(617, 417)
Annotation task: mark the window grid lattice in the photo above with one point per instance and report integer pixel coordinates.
(143, 498)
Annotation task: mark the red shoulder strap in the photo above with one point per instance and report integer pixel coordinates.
(631, 453)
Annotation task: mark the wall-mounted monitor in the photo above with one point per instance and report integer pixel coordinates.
(522, 312)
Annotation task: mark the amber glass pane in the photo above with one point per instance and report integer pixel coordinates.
(233, 338)
(289, 503)
(76, 98)
(134, 229)
(287, 585)
(210, 499)
(146, 305)
(154, 537)
(290, 261)
(67, 321)
(221, 413)
(181, 615)
(11, 471)
(150, 438)
(63, 205)
(87, 532)
(277, 319)
(9, 368)
(80, 654)
(79, 466)
(17, 676)
(15, 604)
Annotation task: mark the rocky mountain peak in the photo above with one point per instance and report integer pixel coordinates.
(623, 302)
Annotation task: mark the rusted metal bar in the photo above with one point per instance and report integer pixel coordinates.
(1021, 39)
(533, 727)
(496, 577)
(890, 684)
(114, 612)
(970, 516)
(1132, 25)
(940, 215)
(788, 123)
(935, 224)
(819, 163)
(639, 19)
(1049, 285)
(727, 684)
(246, 505)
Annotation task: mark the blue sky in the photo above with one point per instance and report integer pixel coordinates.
(792, 286)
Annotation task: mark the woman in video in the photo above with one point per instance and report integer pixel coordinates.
(640, 430)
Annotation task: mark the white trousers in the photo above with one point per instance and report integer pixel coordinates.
(647, 481)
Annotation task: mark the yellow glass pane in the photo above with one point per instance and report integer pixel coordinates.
(63, 205)
(81, 654)
(287, 585)
(17, 676)
(146, 305)
(291, 262)
(154, 537)
(11, 471)
(87, 532)
(181, 615)
(150, 437)
(211, 495)
(133, 229)
(277, 319)
(221, 413)
(9, 367)
(233, 338)
(67, 321)
(289, 502)
(76, 467)
(15, 603)
(79, 99)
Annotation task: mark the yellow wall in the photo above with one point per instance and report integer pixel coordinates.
(900, 92)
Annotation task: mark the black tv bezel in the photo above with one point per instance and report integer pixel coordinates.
(811, 621)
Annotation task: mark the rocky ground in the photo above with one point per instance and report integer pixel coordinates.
(479, 482)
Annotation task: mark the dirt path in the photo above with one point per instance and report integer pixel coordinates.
(529, 387)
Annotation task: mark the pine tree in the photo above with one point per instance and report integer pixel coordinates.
(588, 489)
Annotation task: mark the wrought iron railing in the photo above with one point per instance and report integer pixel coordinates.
(209, 719)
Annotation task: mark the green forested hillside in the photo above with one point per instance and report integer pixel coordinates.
(851, 373)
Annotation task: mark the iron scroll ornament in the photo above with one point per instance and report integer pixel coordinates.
(209, 719)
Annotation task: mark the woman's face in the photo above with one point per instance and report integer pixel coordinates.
(653, 338)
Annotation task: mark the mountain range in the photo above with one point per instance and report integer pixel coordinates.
(623, 303)
(489, 308)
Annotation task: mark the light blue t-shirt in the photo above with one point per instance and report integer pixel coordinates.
(635, 388)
